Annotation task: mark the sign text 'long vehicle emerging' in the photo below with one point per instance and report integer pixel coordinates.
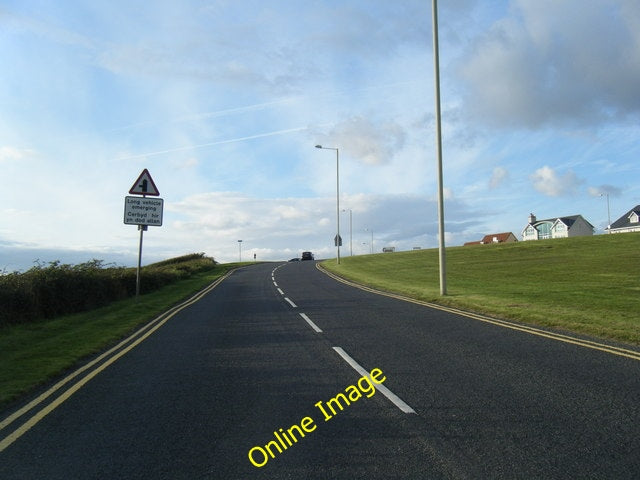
(143, 211)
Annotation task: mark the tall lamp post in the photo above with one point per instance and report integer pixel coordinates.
(370, 230)
(337, 198)
(240, 250)
(350, 231)
(608, 212)
(436, 68)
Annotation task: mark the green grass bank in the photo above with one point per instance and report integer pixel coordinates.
(588, 285)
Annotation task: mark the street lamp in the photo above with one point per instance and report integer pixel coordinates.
(368, 230)
(608, 212)
(436, 74)
(337, 198)
(350, 231)
(240, 250)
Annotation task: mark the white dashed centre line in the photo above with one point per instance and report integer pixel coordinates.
(311, 324)
(397, 401)
(290, 302)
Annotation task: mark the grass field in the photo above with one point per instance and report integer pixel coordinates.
(33, 353)
(588, 285)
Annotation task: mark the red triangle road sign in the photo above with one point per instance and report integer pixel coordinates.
(144, 185)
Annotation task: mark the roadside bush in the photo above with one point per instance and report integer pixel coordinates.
(47, 291)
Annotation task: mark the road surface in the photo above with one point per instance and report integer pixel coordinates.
(281, 372)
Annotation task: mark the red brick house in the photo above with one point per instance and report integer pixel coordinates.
(506, 237)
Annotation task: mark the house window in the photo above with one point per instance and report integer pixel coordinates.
(560, 229)
(634, 218)
(544, 230)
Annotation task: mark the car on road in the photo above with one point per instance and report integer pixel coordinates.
(307, 256)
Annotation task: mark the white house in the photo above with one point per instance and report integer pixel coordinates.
(561, 227)
(629, 222)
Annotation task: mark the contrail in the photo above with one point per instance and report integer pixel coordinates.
(210, 144)
(213, 114)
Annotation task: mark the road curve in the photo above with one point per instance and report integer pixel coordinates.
(247, 381)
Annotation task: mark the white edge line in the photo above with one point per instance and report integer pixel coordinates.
(311, 324)
(281, 292)
(397, 401)
(275, 283)
(290, 302)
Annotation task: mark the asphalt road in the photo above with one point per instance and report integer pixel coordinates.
(263, 354)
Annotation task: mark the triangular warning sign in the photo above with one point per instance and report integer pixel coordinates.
(144, 185)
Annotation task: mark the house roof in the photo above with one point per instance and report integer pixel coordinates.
(568, 221)
(500, 237)
(624, 221)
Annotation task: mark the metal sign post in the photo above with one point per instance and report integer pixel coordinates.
(142, 228)
(143, 212)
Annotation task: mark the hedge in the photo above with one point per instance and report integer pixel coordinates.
(47, 291)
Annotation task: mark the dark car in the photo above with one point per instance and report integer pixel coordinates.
(307, 256)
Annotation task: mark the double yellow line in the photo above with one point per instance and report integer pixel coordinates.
(603, 347)
(100, 363)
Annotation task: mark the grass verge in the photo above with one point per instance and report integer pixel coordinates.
(31, 354)
(588, 285)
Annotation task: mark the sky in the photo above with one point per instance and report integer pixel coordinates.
(224, 101)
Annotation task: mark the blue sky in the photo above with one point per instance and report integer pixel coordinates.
(223, 102)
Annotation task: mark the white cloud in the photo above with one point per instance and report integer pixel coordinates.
(604, 190)
(499, 175)
(546, 64)
(547, 181)
(368, 142)
(13, 154)
(213, 222)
